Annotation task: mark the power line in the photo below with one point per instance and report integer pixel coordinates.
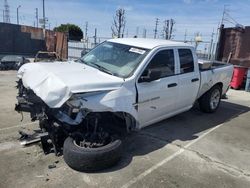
(229, 21)
(12, 13)
(225, 11)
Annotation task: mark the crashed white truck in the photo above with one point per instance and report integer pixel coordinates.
(122, 85)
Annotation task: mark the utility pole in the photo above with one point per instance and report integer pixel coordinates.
(3, 16)
(86, 30)
(95, 37)
(168, 29)
(144, 33)
(220, 30)
(156, 25)
(137, 31)
(185, 36)
(166, 33)
(217, 33)
(43, 14)
(211, 46)
(6, 12)
(86, 33)
(164, 29)
(17, 14)
(127, 33)
(36, 17)
(172, 22)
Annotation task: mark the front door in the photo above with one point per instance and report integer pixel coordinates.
(157, 98)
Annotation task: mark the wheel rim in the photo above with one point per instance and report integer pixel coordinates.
(90, 140)
(215, 99)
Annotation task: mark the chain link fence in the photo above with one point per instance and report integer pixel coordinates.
(78, 48)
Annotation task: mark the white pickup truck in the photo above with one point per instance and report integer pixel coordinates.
(120, 86)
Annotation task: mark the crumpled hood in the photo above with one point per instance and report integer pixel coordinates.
(55, 82)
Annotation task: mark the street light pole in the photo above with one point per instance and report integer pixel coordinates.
(17, 14)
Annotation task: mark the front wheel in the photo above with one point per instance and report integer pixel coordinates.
(85, 153)
(210, 101)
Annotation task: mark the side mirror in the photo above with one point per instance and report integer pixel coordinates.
(150, 75)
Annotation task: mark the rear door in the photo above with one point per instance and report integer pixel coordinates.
(188, 78)
(158, 98)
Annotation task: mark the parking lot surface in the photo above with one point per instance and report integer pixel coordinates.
(192, 149)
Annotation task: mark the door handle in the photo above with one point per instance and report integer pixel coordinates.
(195, 80)
(172, 85)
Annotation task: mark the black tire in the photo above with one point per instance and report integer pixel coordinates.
(205, 100)
(91, 159)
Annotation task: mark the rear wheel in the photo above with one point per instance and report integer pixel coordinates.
(210, 101)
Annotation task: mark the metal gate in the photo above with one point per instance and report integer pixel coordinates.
(75, 48)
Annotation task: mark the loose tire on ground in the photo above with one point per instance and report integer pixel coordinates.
(205, 100)
(91, 159)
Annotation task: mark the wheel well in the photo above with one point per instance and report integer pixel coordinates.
(219, 84)
(128, 121)
(121, 122)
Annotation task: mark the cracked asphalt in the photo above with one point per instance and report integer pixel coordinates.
(192, 149)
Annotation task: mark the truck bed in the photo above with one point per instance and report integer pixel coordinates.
(218, 72)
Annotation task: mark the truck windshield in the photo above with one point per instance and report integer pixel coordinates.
(116, 59)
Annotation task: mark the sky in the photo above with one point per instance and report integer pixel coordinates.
(191, 16)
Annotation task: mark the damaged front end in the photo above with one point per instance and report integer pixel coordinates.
(28, 101)
(71, 119)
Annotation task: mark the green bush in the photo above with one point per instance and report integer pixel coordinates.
(74, 31)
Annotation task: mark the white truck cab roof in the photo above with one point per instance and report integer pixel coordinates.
(148, 43)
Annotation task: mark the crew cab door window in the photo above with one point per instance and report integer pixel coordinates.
(186, 61)
(157, 97)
